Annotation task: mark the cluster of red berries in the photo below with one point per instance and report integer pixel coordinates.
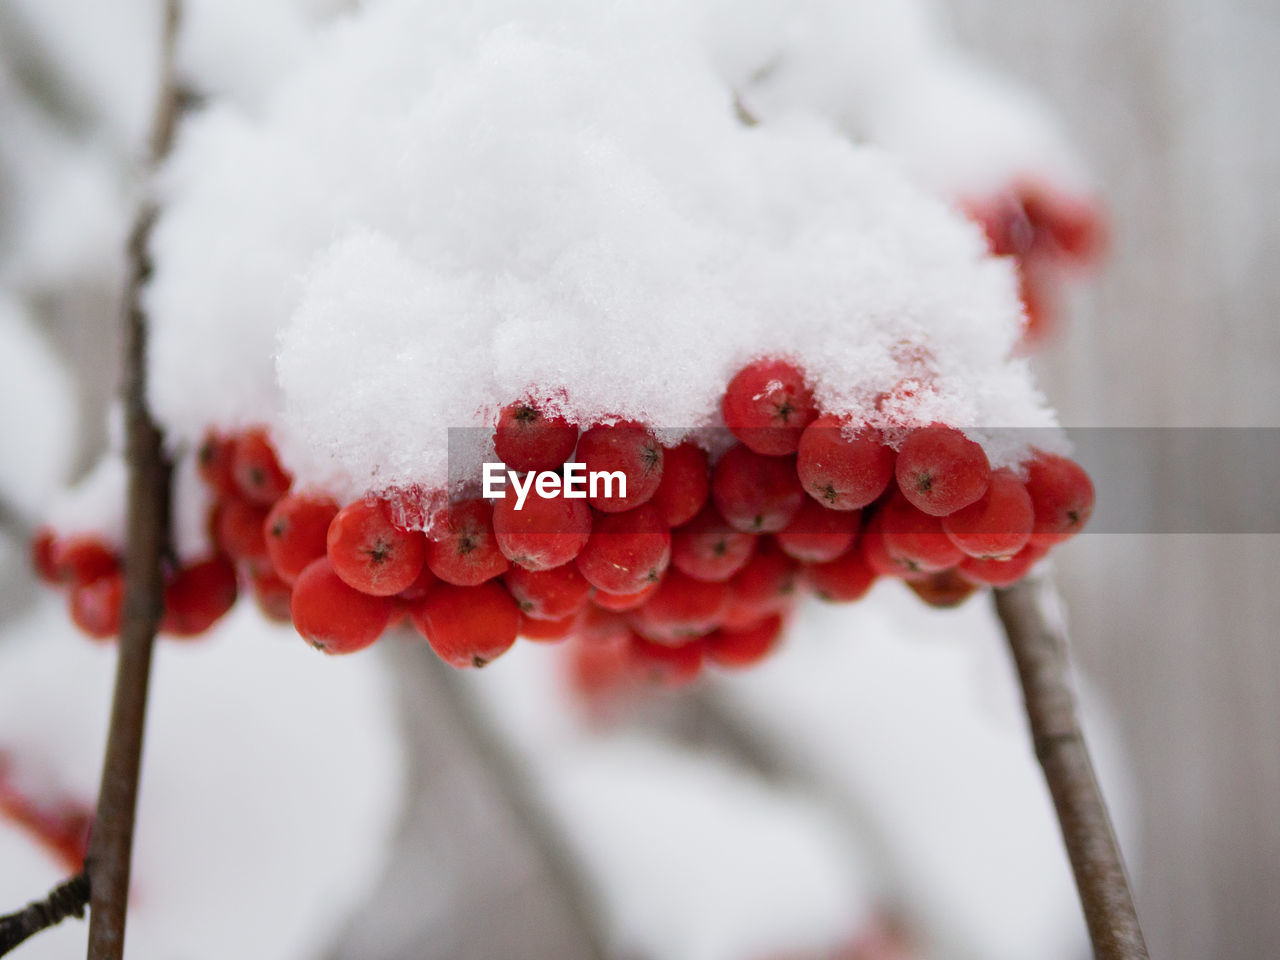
(697, 561)
(1048, 233)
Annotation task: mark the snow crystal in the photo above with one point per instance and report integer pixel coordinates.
(451, 206)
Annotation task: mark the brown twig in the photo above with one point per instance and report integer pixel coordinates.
(147, 535)
(65, 900)
(1039, 645)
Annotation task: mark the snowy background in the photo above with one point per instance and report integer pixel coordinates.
(876, 774)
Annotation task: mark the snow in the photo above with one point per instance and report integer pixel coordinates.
(270, 787)
(561, 193)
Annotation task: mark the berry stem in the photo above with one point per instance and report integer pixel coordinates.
(1038, 641)
(68, 899)
(545, 834)
(146, 541)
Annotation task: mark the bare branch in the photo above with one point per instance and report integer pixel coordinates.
(147, 535)
(66, 900)
(1039, 645)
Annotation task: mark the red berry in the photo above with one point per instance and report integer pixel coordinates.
(42, 557)
(627, 448)
(707, 548)
(296, 532)
(546, 631)
(626, 551)
(258, 475)
(874, 551)
(620, 602)
(686, 483)
(334, 617)
(680, 608)
(767, 584)
(817, 534)
(462, 548)
(842, 473)
(602, 626)
(213, 463)
(941, 470)
(527, 439)
(915, 540)
(198, 596)
(755, 493)
(548, 594)
(660, 665)
(241, 531)
(767, 406)
(370, 553)
(95, 606)
(273, 596)
(418, 589)
(545, 533)
(468, 626)
(842, 580)
(746, 646)
(998, 524)
(1001, 573)
(83, 559)
(944, 589)
(1062, 495)
(599, 668)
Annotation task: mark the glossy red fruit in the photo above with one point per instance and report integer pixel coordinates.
(627, 448)
(997, 524)
(681, 608)
(659, 665)
(842, 473)
(620, 602)
(707, 548)
(766, 585)
(756, 493)
(817, 534)
(258, 476)
(272, 595)
(296, 532)
(1062, 496)
(419, 588)
(943, 589)
(240, 531)
(42, 557)
(545, 533)
(528, 439)
(743, 647)
(626, 551)
(468, 626)
(940, 470)
(214, 459)
(767, 406)
(876, 554)
(462, 548)
(95, 606)
(915, 540)
(198, 596)
(83, 558)
(1001, 573)
(333, 617)
(547, 631)
(370, 553)
(846, 578)
(548, 594)
(685, 485)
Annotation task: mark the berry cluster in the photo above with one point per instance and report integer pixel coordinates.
(1049, 233)
(698, 561)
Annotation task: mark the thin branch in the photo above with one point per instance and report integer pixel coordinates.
(147, 535)
(1038, 641)
(521, 797)
(66, 900)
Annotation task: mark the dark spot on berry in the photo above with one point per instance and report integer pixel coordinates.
(1073, 517)
(720, 548)
(279, 528)
(924, 482)
(785, 410)
(478, 662)
(527, 415)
